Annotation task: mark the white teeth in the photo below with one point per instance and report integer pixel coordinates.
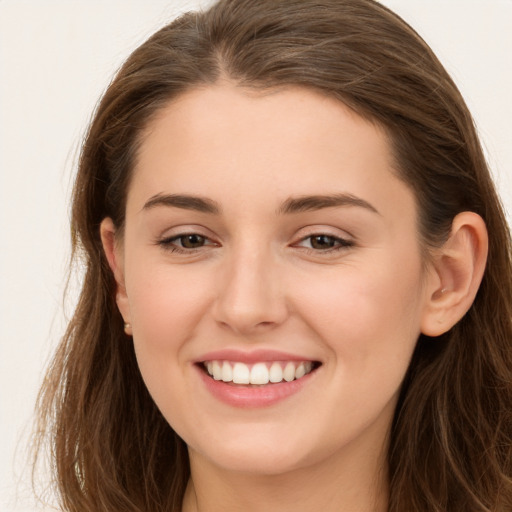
(289, 372)
(217, 370)
(258, 373)
(241, 373)
(227, 372)
(276, 373)
(300, 371)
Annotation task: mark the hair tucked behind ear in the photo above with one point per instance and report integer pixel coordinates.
(450, 444)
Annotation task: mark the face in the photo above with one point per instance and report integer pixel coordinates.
(269, 241)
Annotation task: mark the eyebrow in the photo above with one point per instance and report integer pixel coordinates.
(289, 206)
(186, 202)
(318, 202)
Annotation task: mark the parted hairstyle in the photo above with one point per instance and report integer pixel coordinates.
(450, 445)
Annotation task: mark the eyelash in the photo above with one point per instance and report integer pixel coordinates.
(340, 243)
(169, 244)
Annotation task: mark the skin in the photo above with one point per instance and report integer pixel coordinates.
(259, 282)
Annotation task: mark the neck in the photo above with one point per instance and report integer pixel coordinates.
(336, 484)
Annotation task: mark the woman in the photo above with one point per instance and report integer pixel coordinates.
(297, 287)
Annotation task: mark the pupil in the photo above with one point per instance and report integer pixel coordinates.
(322, 242)
(192, 241)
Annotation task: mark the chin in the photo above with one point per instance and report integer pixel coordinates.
(259, 461)
(258, 451)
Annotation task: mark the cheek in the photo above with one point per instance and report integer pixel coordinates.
(166, 308)
(165, 305)
(369, 324)
(369, 319)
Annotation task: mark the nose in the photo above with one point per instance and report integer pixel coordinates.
(250, 296)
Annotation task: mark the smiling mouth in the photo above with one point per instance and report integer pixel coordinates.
(258, 374)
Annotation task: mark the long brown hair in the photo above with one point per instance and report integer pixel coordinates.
(450, 446)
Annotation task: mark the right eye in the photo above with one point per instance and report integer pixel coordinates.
(187, 242)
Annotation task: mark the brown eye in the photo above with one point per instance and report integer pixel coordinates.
(192, 241)
(187, 243)
(323, 242)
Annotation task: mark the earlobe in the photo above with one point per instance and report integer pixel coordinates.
(457, 272)
(115, 260)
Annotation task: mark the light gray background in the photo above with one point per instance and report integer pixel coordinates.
(56, 58)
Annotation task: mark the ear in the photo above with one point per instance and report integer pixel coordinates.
(115, 258)
(457, 272)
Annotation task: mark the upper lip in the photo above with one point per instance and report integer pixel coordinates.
(254, 356)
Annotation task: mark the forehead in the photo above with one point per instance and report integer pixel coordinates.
(285, 114)
(231, 143)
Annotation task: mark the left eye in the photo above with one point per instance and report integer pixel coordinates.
(324, 242)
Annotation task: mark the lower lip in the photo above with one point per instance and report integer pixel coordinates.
(253, 396)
